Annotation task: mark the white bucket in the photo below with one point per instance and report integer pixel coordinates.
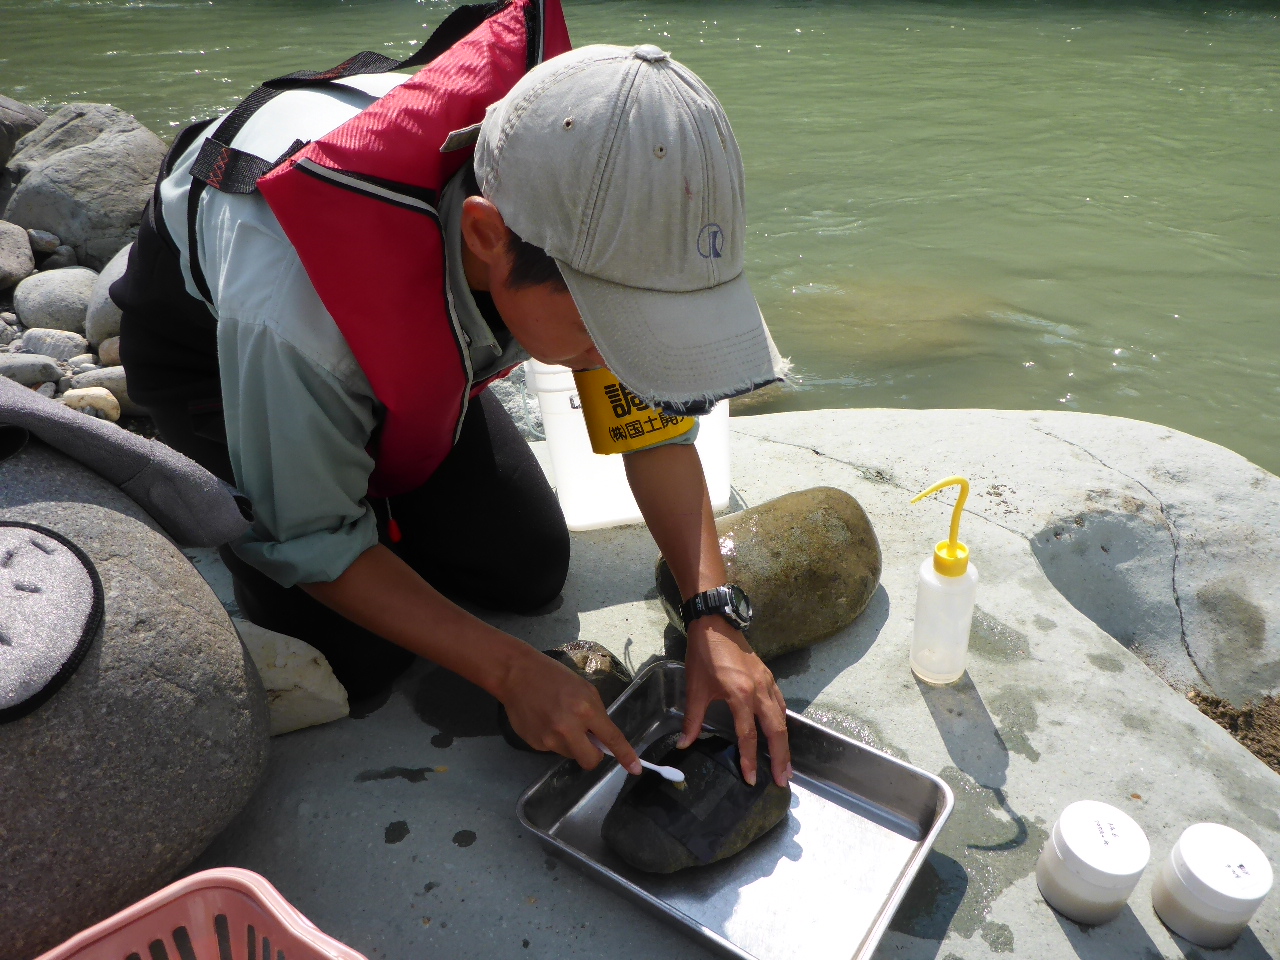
(593, 489)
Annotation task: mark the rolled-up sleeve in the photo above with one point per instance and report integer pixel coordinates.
(297, 438)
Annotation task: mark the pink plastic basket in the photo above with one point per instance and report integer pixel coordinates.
(225, 914)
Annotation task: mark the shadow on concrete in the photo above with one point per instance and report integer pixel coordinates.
(804, 674)
(967, 730)
(1124, 938)
(455, 706)
(1248, 947)
(932, 899)
(1121, 939)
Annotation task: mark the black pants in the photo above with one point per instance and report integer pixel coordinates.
(485, 529)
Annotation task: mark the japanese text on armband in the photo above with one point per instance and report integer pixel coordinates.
(620, 422)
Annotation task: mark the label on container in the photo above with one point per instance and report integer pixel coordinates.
(1103, 839)
(1226, 861)
(620, 422)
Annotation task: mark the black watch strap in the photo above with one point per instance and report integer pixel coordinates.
(718, 600)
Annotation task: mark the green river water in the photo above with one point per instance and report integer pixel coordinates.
(1052, 205)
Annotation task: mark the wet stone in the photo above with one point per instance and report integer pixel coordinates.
(662, 827)
(595, 664)
(810, 562)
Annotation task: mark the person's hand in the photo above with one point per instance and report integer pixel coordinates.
(720, 665)
(554, 709)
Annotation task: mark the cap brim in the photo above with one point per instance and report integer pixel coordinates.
(678, 348)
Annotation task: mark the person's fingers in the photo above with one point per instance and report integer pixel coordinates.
(695, 711)
(774, 724)
(744, 725)
(616, 741)
(581, 749)
(780, 700)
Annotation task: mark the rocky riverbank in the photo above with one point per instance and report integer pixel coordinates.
(73, 185)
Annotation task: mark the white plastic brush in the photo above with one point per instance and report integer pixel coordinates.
(667, 773)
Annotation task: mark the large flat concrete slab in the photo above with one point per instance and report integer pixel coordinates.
(395, 831)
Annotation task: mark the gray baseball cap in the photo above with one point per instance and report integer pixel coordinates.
(620, 163)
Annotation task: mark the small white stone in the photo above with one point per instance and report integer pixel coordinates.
(97, 401)
(301, 688)
(47, 390)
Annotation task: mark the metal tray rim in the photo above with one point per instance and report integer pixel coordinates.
(663, 910)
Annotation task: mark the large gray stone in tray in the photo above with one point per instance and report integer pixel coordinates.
(125, 774)
(85, 175)
(17, 262)
(56, 299)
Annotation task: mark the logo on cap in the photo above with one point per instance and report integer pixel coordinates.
(711, 242)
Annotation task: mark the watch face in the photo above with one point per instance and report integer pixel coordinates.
(740, 604)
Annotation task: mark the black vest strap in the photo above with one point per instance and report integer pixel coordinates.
(229, 170)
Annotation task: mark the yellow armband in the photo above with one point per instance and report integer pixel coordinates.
(620, 422)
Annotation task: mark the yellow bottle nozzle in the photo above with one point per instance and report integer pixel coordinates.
(950, 557)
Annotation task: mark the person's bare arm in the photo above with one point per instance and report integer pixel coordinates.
(672, 494)
(549, 705)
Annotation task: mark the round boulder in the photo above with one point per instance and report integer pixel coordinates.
(86, 174)
(28, 369)
(109, 352)
(809, 561)
(17, 262)
(16, 121)
(102, 318)
(149, 747)
(58, 344)
(56, 299)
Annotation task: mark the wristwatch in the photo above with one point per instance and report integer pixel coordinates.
(730, 601)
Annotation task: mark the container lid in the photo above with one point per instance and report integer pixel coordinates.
(1100, 844)
(1222, 867)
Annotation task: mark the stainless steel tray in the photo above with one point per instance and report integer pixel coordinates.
(822, 885)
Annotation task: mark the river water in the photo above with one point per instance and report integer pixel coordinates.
(1050, 205)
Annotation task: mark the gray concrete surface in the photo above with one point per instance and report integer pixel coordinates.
(394, 830)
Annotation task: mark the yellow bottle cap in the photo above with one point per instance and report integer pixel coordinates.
(950, 557)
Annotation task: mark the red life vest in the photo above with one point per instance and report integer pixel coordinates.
(358, 205)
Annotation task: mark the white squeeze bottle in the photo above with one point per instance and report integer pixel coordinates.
(945, 593)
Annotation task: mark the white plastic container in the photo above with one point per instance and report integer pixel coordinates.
(1091, 862)
(1211, 885)
(945, 593)
(593, 489)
